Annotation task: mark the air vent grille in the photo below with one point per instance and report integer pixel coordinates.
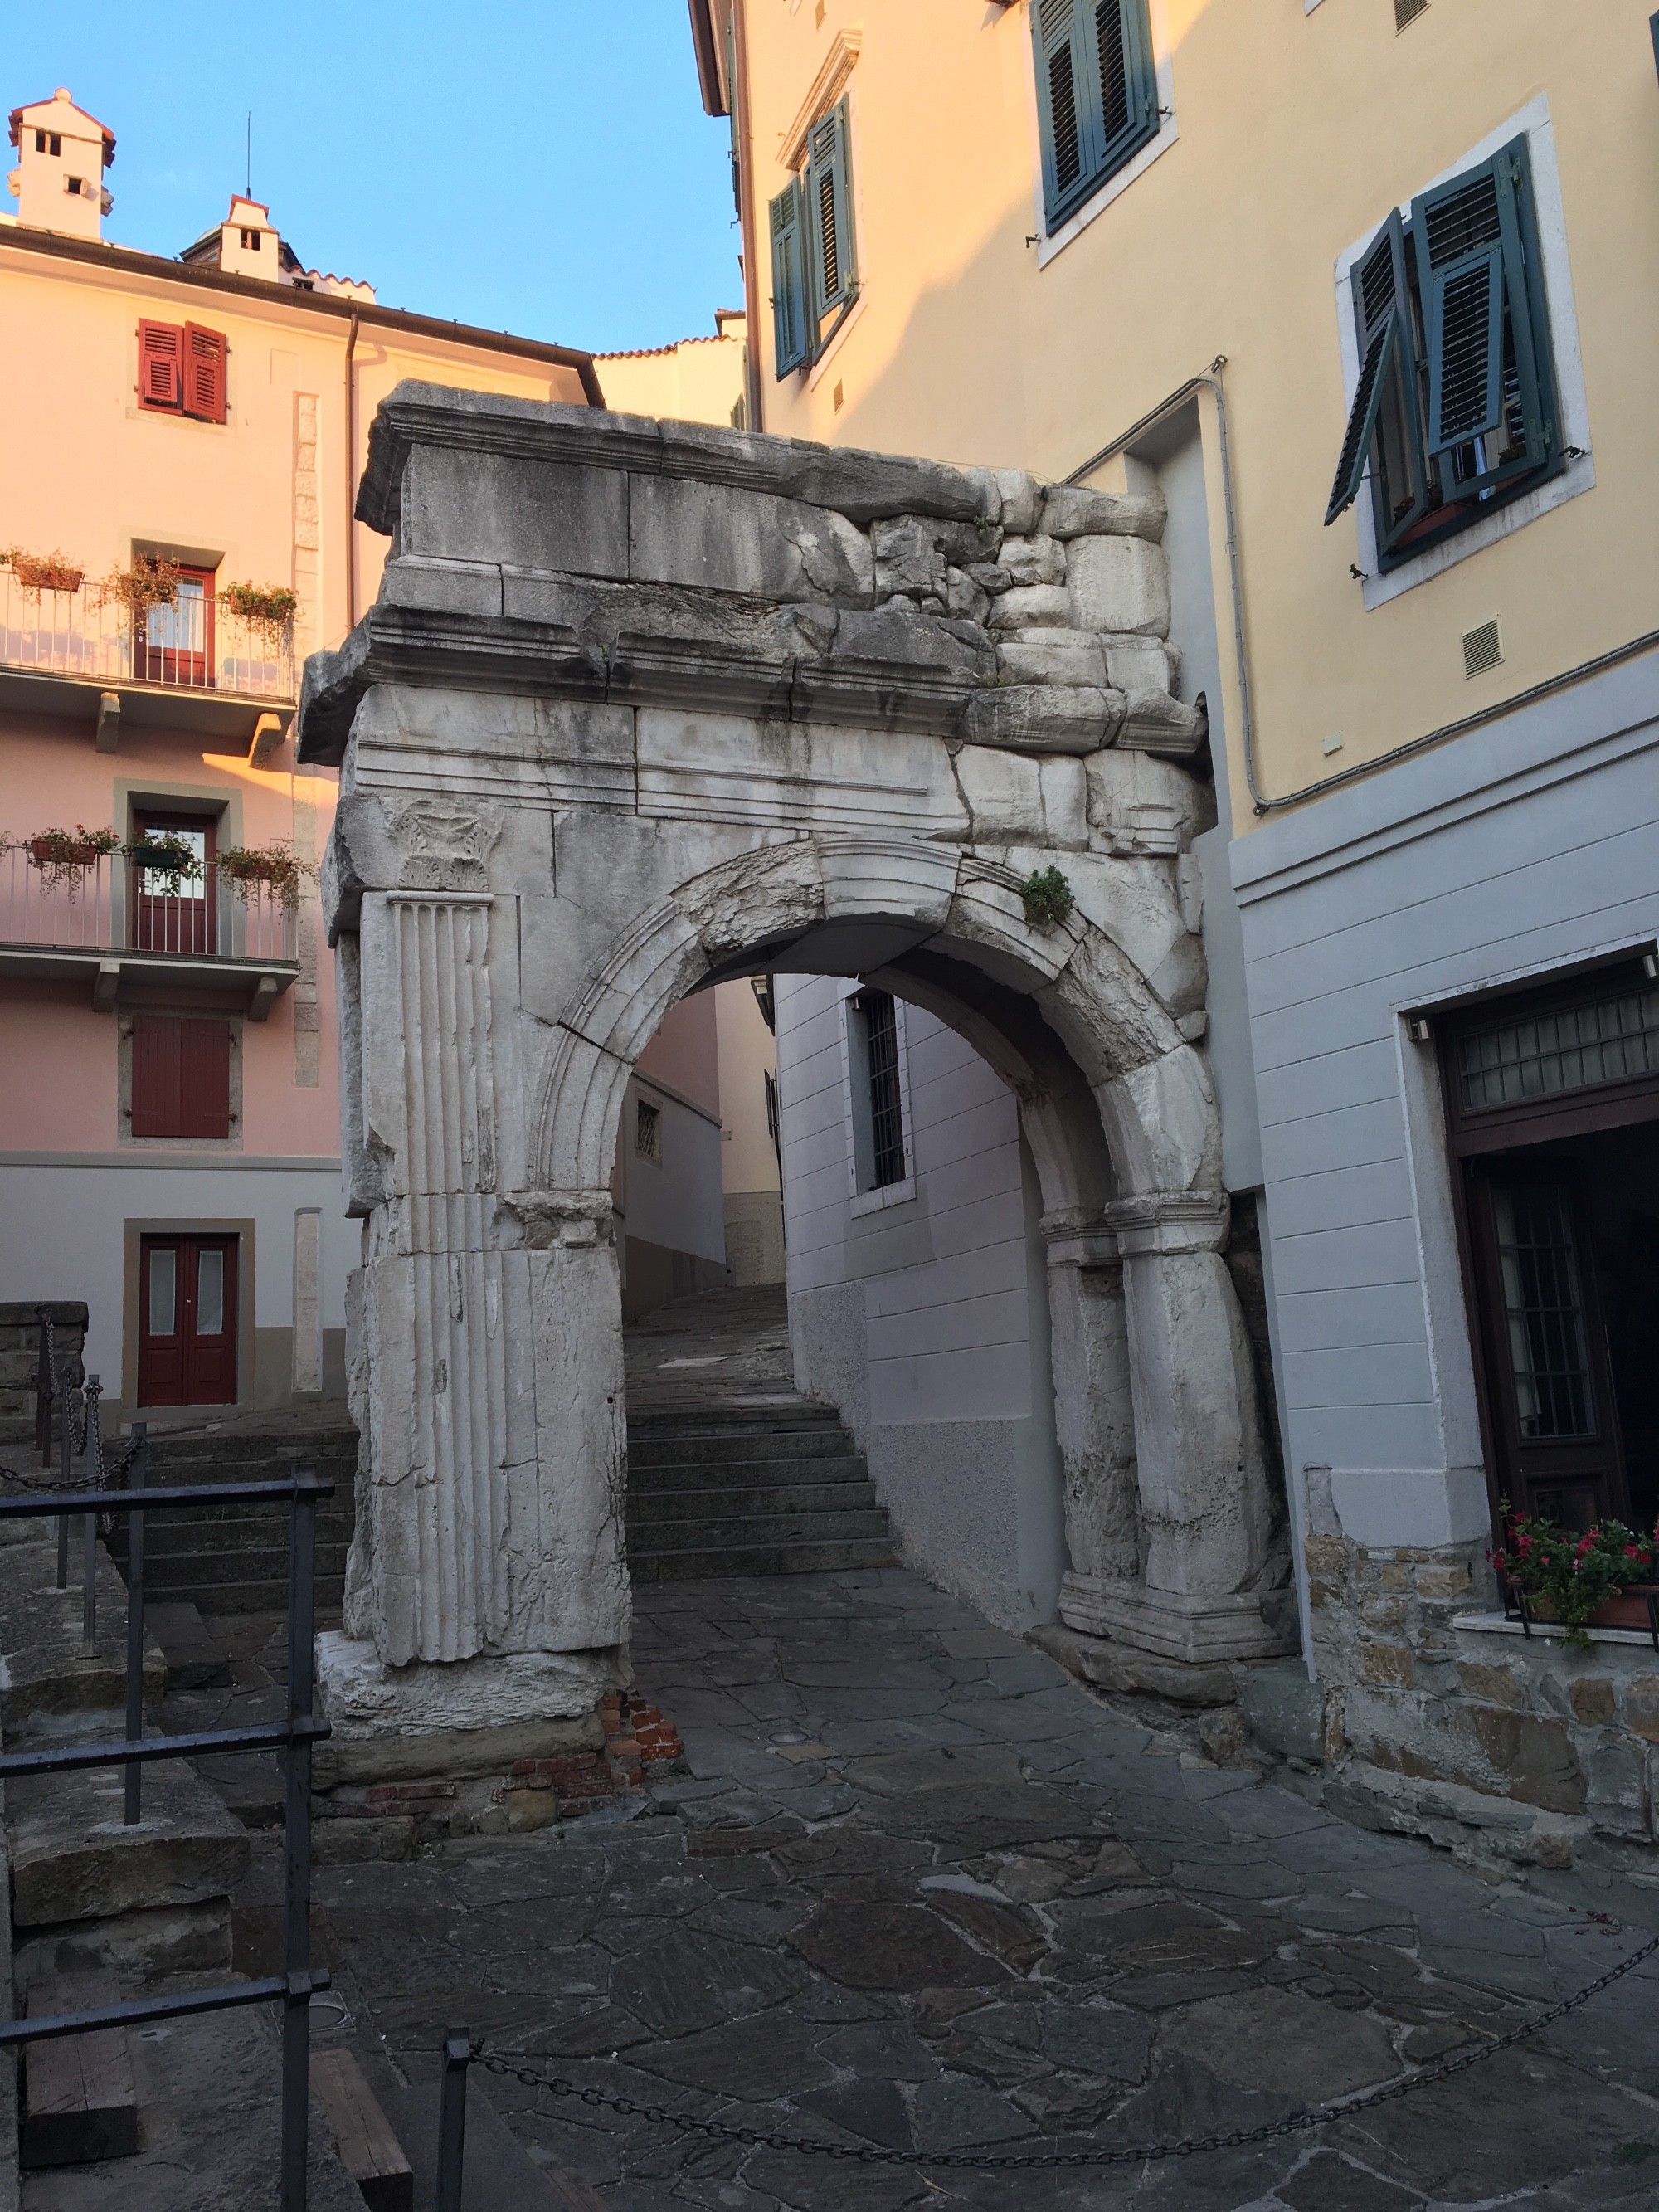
(1483, 648)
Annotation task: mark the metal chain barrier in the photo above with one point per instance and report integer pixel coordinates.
(1318, 2116)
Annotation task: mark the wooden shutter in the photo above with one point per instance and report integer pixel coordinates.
(1484, 313)
(161, 365)
(1382, 318)
(1064, 102)
(789, 277)
(829, 213)
(180, 1077)
(204, 373)
(1125, 83)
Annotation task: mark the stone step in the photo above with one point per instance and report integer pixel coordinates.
(790, 1559)
(747, 1473)
(650, 1507)
(46, 1671)
(72, 1859)
(752, 1528)
(736, 1421)
(732, 1447)
(231, 1530)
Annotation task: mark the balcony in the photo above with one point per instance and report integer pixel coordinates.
(103, 925)
(196, 666)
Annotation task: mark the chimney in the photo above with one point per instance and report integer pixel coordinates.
(62, 153)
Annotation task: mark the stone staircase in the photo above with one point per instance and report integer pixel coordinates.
(234, 1558)
(734, 1490)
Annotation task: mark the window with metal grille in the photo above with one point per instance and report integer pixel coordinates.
(1097, 94)
(1454, 408)
(647, 1131)
(1606, 1040)
(878, 1147)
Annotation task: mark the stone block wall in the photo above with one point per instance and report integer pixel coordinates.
(1510, 1751)
(20, 1340)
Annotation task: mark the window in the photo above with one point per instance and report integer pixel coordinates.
(250, 240)
(175, 914)
(1454, 409)
(48, 142)
(1097, 94)
(814, 267)
(174, 643)
(180, 1076)
(880, 1155)
(75, 186)
(647, 1131)
(181, 370)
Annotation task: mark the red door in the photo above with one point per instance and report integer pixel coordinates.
(164, 921)
(187, 1321)
(174, 643)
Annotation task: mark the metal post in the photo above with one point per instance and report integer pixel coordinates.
(134, 1769)
(452, 2118)
(92, 1476)
(66, 1481)
(43, 1389)
(297, 1838)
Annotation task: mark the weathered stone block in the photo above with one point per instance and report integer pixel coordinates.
(1033, 559)
(1118, 584)
(74, 1859)
(1390, 1665)
(1535, 1757)
(1641, 1707)
(1286, 1711)
(907, 557)
(1448, 1580)
(1021, 496)
(1497, 1686)
(1139, 663)
(1059, 656)
(1154, 722)
(1072, 511)
(1035, 606)
(1047, 718)
(1592, 1700)
(716, 537)
(1617, 1798)
(965, 597)
(1139, 804)
(1022, 798)
(461, 504)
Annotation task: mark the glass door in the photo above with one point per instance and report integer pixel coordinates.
(175, 642)
(187, 1321)
(1555, 1423)
(177, 914)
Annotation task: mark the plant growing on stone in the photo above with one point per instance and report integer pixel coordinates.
(267, 609)
(170, 857)
(268, 872)
(62, 856)
(1567, 1576)
(42, 572)
(1047, 897)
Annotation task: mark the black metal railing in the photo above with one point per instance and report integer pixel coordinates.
(293, 1987)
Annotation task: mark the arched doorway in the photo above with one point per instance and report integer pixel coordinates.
(544, 842)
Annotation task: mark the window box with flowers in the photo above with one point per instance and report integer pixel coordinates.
(273, 872)
(1598, 1577)
(64, 856)
(35, 572)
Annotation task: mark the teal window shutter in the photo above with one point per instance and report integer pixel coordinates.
(1383, 430)
(1374, 370)
(788, 229)
(1096, 93)
(830, 214)
(1491, 396)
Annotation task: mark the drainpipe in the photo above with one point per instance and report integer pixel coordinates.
(350, 483)
(751, 375)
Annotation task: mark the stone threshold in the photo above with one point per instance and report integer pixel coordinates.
(1496, 1624)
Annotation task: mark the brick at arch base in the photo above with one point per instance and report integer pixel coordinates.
(641, 707)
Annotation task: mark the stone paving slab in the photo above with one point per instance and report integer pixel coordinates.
(1022, 1921)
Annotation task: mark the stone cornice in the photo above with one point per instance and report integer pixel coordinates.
(862, 486)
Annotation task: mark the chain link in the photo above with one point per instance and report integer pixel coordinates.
(1318, 2116)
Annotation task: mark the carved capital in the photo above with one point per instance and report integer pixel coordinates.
(1076, 1236)
(1163, 1222)
(442, 846)
(536, 1219)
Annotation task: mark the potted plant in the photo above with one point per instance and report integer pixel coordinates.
(62, 856)
(151, 580)
(164, 854)
(1601, 1578)
(267, 871)
(42, 572)
(267, 609)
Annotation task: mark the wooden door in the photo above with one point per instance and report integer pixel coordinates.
(175, 643)
(184, 920)
(187, 1321)
(1553, 1417)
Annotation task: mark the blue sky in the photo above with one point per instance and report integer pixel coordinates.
(538, 166)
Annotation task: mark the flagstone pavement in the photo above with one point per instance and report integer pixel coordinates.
(920, 1891)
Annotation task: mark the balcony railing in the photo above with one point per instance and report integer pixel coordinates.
(197, 646)
(107, 908)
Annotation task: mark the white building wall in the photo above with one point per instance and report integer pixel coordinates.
(925, 1318)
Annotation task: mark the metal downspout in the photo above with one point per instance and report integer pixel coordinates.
(351, 482)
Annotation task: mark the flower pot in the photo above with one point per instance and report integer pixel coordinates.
(1629, 1609)
(47, 853)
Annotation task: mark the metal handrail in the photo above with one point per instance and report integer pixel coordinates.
(292, 1988)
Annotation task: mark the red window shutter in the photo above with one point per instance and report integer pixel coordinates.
(155, 1075)
(180, 1077)
(204, 373)
(161, 364)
